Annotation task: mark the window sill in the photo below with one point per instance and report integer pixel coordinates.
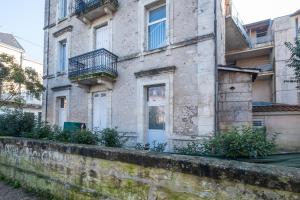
(160, 49)
(61, 74)
(62, 20)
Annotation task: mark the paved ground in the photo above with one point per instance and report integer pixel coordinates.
(9, 193)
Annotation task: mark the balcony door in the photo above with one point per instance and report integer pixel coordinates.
(100, 110)
(102, 37)
(156, 110)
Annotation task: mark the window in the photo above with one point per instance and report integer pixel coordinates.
(261, 34)
(258, 123)
(39, 117)
(63, 8)
(62, 56)
(157, 27)
(63, 102)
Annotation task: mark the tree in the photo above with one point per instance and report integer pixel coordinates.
(14, 79)
(294, 60)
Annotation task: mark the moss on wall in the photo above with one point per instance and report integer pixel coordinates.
(67, 175)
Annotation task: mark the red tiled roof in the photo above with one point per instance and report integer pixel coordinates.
(277, 108)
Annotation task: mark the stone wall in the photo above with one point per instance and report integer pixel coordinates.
(286, 124)
(87, 172)
(235, 99)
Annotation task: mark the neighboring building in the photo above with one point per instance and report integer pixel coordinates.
(274, 98)
(9, 45)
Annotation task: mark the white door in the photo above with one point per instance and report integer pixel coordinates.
(99, 111)
(102, 39)
(156, 115)
(62, 112)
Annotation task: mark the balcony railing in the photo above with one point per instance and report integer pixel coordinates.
(100, 62)
(84, 6)
(239, 22)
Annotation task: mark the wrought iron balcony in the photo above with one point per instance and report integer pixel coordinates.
(92, 9)
(87, 68)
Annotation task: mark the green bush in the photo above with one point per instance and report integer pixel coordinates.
(156, 147)
(246, 143)
(111, 138)
(192, 148)
(14, 123)
(40, 131)
(85, 137)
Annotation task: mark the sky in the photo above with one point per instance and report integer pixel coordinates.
(256, 10)
(24, 18)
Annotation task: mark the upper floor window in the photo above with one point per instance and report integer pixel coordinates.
(157, 27)
(63, 59)
(63, 8)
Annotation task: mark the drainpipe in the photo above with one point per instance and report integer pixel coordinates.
(216, 69)
(47, 63)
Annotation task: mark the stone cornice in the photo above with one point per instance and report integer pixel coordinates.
(155, 71)
(62, 31)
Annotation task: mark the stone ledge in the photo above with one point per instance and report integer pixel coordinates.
(273, 177)
(155, 71)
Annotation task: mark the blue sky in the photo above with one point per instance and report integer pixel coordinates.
(24, 18)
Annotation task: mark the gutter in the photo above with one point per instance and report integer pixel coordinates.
(47, 64)
(216, 122)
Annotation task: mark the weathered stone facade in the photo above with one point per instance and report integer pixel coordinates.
(82, 172)
(190, 88)
(235, 97)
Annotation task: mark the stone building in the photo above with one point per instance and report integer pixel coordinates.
(147, 67)
(9, 45)
(158, 70)
(275, 99)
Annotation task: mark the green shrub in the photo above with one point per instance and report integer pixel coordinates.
(192, 148)
(111, 138)
(41, 131)
(85, 137)
(14, 123)
(246, 143)
(158, 147)
(142, 147)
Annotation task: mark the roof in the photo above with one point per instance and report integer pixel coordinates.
(273, 107)
(10, 40)
(296, 13)
(258, 24)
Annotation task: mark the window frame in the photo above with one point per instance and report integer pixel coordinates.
(62, 66)
(62, 15)
(156, 22)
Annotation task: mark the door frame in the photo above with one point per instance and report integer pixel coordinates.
(93, 105)
(142, 117)
(155, 104)
(98, 24)
(95, 89)
(58, 94)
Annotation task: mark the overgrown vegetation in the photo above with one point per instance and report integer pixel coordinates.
(156, 147)
(19, 124)
(294, 60)
(14, 79)
(246, 143)
(111, 138)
